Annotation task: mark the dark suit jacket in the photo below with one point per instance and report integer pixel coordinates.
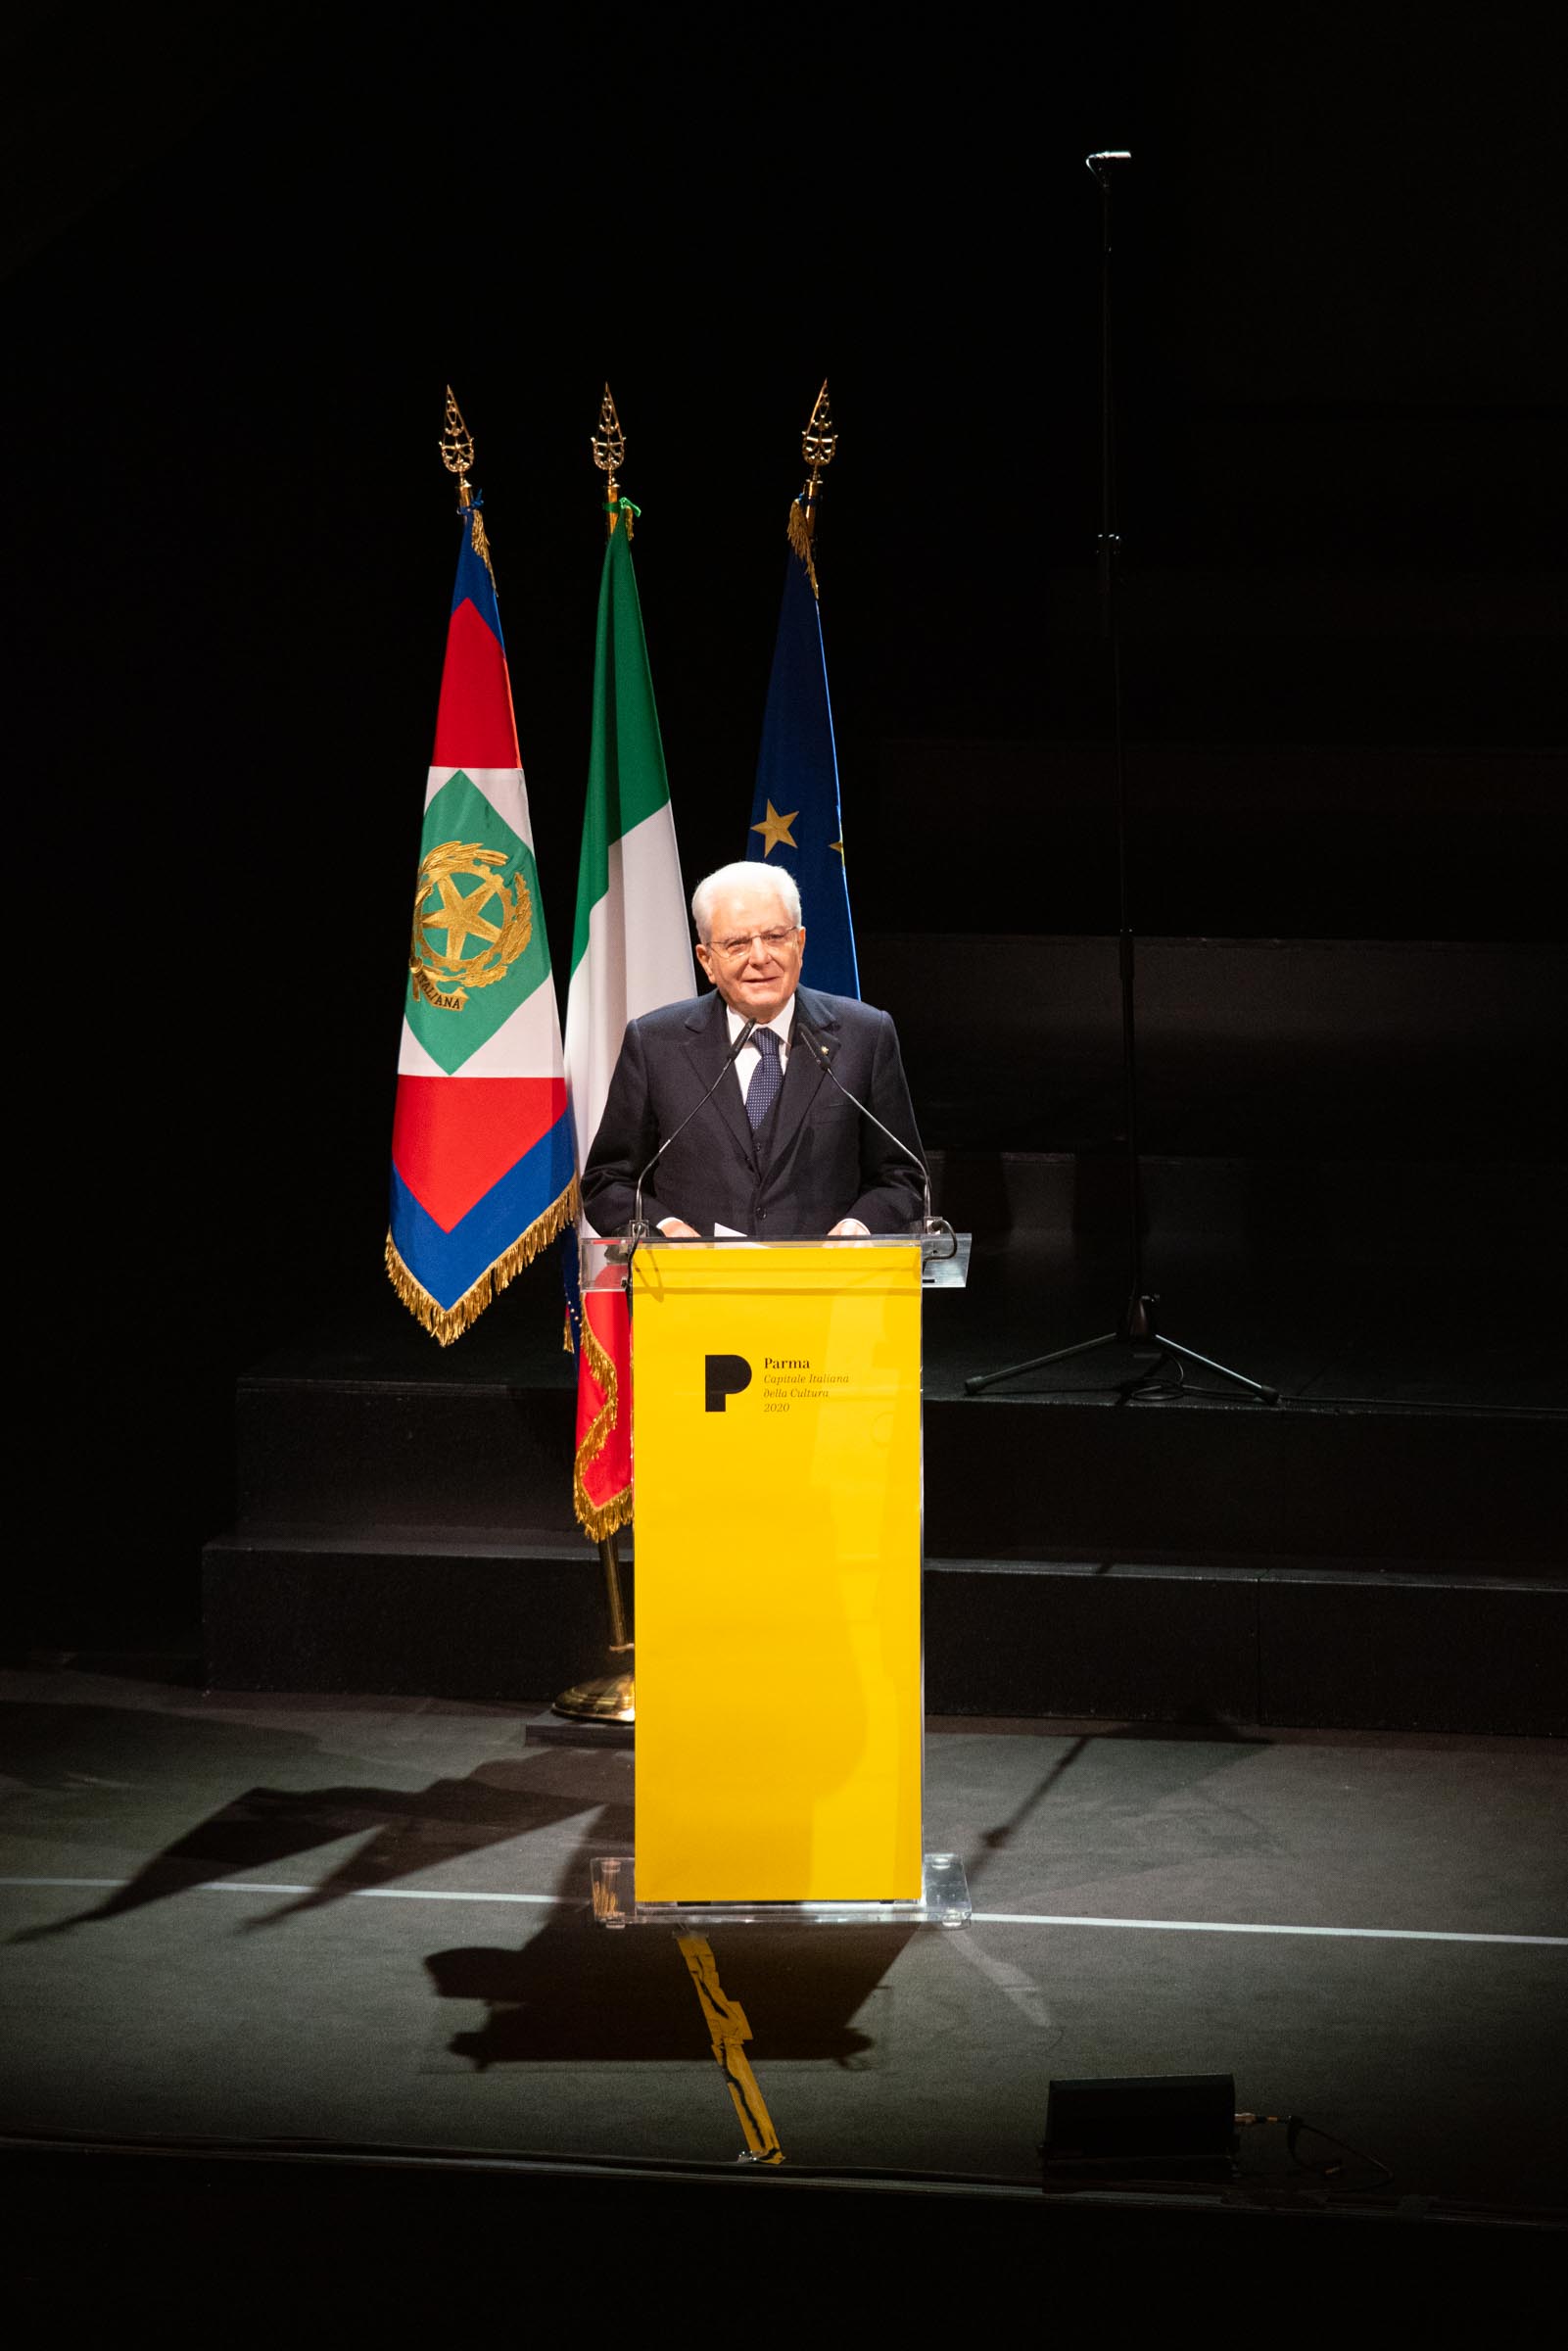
(820, 1160)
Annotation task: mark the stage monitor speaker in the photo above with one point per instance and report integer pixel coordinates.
(1185, 2120)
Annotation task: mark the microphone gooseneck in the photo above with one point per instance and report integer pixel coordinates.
(637, 1230)
(822, 1053)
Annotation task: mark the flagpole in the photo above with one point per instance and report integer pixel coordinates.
(457, 455)
(818, 444)
(609, 1698)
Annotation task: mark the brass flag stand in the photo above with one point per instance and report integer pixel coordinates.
(607, 1697)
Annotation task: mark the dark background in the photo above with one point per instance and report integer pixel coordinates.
(243, 264)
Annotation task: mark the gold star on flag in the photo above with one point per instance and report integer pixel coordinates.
(775, 829)
(836, 846)
(458, 915)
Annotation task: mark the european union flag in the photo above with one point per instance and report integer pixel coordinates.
(796, 816)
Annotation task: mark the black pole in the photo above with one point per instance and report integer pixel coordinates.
(1138, 1321)
(1135, 1317)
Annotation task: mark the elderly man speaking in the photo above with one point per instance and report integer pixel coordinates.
(778, 1153)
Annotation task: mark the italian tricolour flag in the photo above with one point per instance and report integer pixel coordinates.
(482, 1171)
(630, 952)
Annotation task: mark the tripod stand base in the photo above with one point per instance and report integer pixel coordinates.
(1137, 1329)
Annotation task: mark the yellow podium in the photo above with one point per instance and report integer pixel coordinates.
(780, 1733)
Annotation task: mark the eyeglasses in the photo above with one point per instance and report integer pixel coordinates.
(738, 950)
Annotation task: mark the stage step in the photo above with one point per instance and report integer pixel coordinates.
(1439, 1647)
(1382, 1548)
(1496, 1212)
(1004, 1474)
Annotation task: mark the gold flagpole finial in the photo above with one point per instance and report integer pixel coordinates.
(457, 448)
(608, 444)
(818, 443)
(457, 455)
(817, 446)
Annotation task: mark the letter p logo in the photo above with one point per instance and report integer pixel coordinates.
(724, 1375)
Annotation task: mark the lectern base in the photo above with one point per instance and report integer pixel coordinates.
(943, 1901)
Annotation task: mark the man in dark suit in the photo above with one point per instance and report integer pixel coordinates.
(778, 1153)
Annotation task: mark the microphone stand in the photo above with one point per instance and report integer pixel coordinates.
(1138, 1325)
(622, 1252)
(932, 1228)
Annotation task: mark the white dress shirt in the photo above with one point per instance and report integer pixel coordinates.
(749, 1057)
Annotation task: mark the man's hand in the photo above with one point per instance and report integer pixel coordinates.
(674, 1229)
(850, 1229)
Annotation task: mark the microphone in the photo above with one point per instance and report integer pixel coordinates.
(821, 1052)
(637, 1230)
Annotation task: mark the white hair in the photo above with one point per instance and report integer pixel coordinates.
(733, 877)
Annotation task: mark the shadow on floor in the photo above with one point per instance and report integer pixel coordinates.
(1181, 1755)
(576, 1994)
(407, 1832)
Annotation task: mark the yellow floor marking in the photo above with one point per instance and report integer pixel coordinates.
(727, 2030)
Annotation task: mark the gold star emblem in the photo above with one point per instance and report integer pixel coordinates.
(443, 976)
(775, 829)
(460, 916)
(837, 847)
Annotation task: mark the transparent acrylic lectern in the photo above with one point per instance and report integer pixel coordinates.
(780, 1703)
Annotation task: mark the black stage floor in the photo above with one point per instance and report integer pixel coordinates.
(299, 1921)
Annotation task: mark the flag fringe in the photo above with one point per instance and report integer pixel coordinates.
(801, 525)
(598, 1519)
(599, 1522)
(448, 1323)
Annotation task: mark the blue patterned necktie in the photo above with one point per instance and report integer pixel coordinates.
(766, 1079)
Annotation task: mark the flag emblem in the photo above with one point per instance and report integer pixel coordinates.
(503, 925)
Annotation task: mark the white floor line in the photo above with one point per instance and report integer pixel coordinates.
(981, 1918)
(360, 1894)
(392, 1893)
(1228, 1925)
